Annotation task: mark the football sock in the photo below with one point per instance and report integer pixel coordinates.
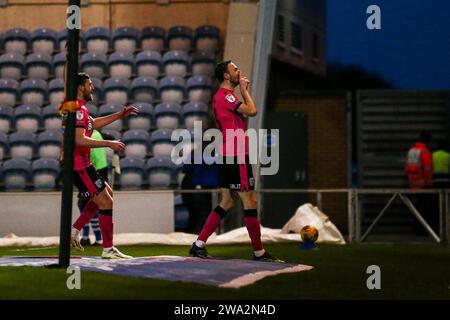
(211, 224)
(88, 212)
(254, 228)
(106, 227)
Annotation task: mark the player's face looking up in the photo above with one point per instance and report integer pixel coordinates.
(87, 88)
(233, 74)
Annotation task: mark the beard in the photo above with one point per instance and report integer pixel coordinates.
(88, 97)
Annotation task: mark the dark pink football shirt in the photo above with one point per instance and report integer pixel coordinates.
(82, 157)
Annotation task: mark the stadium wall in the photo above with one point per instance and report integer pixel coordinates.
(328, 146)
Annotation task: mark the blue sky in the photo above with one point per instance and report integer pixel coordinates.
(411, 51)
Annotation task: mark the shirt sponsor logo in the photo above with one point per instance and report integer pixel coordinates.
(230, 98)
(90, 126)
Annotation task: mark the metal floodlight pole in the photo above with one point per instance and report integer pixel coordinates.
(73, 14)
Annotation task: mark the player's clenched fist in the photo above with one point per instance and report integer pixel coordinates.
(243, 82)
(117, 146)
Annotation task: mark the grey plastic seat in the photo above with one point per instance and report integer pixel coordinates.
(27, 118)
(175, 63)
(98, 90)
(33, 91)
(203, 63)
(136, 142)
(172, 89)
(160, 172)
(62, 40)
(121, 65)
(94, 64)
(167, 115)
(98, 40)
(152, 38)
(108, 109)
(9, 92)
(180, 38)
(3, 145)
(43, 40)
(143, 120)
(116, 90)
(50, 118)
(22, 145)
(207, 38)
(132, 173)
(125, 39)
(16, 174)
(59, 61)
(45, 173)
(16, 40)
(199, 89)
(38, 65)
(56, 91)
(6, 118)
(12, 65)
(195, 111)
(144, 89)
(49, 144)
(162, 143)
(148, 64)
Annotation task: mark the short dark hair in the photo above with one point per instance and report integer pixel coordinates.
(81, 78)
(221, 68)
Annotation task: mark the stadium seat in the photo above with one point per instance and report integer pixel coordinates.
(203, 64)
(6, 118)
(116, 90)
(49, 144)
(59, 61)
(132, 173)
(27, 118)
(181, 214)
(206, 38)
(38, 65)
(56, 91)
(98, 90)
(33, 91)
(22, 145)
(98, 40)
(16, 40)
(167, 115)
(143, 120)
(161, 142)
(117, 136)
(180, 38)
(148, 64)
(121, 65)
(152, 38)
(16, 174)
(175, 63)
(8, 92)
(136, 142)
(110, 108)
(199, 89)
(195, 111)
(43, 40)
(50, 119)
(45, 172)
(12, 65)
(62, 39)
(144, 89)
(160, 171)
(125, 39)
(92, 109)
(3, 145)
(94, 64)
(171, 89)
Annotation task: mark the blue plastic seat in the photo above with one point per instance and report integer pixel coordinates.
(162, 143)
(98, 90)
(125, 39)
(116, 90)
(136, 142)
(27, 118)
(12, 65)
(207, 38)
(59, 60)
(121, 65)
(175, 63)
(167, 115)
(108, 109)
(3, 145)
(9, 91)
(16, 174)
(148, 64)
(22, 145)
(161, 172)
(203, 63)
(94, 64)
(43, 40)
(143, 120)
(49, 144)
(62, 39)
(180, 38)
(199, 89)
(33, 91)
(45, 173)
(144, 89)
(56, 91)
(152, 38)
(98, 40)
(50, 118)
(195, 111)
(17, 40)
(6, 118)
(38, 65)
(172, 89)
(132, 173)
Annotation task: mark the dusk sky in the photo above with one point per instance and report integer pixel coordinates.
(411, 51)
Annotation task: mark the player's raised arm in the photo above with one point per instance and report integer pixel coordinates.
(104, 121)
(248, 107)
